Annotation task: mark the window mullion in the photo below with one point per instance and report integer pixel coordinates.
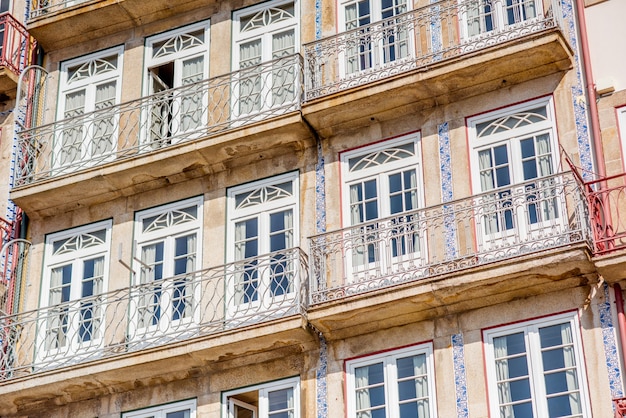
(537, 387)
(391, 388)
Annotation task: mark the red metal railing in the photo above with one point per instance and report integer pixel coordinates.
(17, 47)
(607, 207)
(9, 262)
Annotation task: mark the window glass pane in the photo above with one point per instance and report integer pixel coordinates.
(370, 389)
(178, 414)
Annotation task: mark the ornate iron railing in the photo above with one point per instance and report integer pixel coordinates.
(417, 39)
(17, 47)
(607, 205)
(501, 224)
(170, 117)
(153, 314)
(40, 8)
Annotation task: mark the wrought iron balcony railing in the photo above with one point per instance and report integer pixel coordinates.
(501, 224)
(420, 38)
(170, 117)
(153, 314)
(607, 204)
(45, 7)
(17, 47)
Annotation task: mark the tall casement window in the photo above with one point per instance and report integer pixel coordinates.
(484, 16)
(175, 62)
(382, 189)
(280, 399)
(374, 46)
(88, 84)
(514, 158)
(262, 238)
(168, 251)
(397, 383)
(536, 369)
(184, 409)
(74, 282)
(265, 38)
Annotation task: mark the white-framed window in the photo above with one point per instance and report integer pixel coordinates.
(374, 47)
(90, 83)
(279, 399)
(184, 409)
(536, 369)
(263, 231)
(265, 37)
(512, 150)
(621, 121)
(382, 189)
(486, 16)
(397, 383)
(175, 62)
(167, 252)
(74, 283)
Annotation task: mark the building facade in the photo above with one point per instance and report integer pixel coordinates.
(315, 208)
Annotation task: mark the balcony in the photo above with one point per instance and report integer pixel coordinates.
(17, 49)
(490, 247)
(177, 133)
(182, 311)
(606, 199)
(87, 20)
(427, 57)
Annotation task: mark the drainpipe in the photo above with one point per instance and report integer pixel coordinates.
(591, 92)
(621, 320)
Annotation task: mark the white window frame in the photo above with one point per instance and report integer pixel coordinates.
(270, 200)
(94, 248)
(621, 122)
(162, 410)
(263, 390)
(407, 256)
(377, 52)
(89, 83)
(170, 106)
(175, 225)
(522, 228)
(496, 16)
(534, 362)
(263, 72)
(388, 360)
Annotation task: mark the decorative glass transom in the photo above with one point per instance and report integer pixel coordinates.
(91, 68)
(169, 219)
(267, 17)
(510, 122)
(178, 43)
(263, 195)
(79, 242)
(385, 156)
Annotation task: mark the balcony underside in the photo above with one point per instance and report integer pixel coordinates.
(441, 83)
(60, 25)
(8, 82)
(425, 299)
(175, 164)
(188, 359)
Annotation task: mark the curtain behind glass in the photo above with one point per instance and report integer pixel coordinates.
(191, 103)
(104, 121)
(71, 143)
(250, 98)
(283, 73)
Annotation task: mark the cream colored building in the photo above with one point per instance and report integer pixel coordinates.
(316, 208)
